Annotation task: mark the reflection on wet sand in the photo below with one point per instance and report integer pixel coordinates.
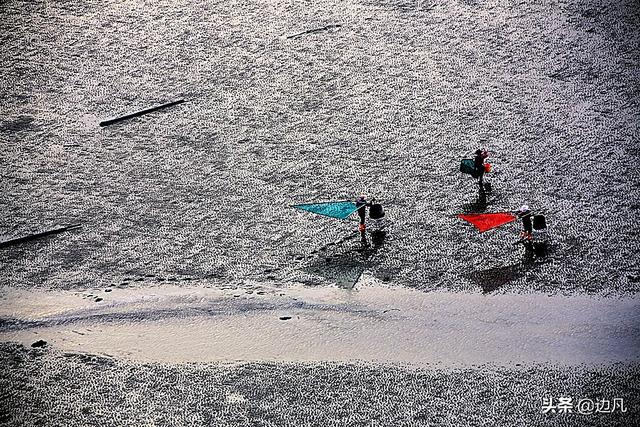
(374, 323)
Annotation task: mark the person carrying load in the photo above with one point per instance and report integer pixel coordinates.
(527, 226)
(478, 163)
(476, 167)
(534, 235)
(361, 203)
(376, 213)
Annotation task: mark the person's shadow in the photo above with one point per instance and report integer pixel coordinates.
(343, 262)
(492, 279)
(479, 205)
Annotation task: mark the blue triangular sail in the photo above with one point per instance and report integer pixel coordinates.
(340, 210)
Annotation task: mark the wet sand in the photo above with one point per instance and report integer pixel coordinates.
(370, 323)
(199, 196)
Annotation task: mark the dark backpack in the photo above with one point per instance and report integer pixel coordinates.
(376, 211)
(539, 223)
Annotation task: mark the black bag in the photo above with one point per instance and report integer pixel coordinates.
(539, 223)
(376, 211)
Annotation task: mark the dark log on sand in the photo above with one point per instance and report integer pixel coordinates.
(140, 113)
(315, 30)
(37, 235)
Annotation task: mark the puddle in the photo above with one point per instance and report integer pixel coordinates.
(373, 323)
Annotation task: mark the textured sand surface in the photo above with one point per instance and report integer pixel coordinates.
(50, 388)
(386, 104)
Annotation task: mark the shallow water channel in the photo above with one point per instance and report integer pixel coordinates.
(371, 323)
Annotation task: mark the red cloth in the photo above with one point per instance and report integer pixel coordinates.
(484, 222)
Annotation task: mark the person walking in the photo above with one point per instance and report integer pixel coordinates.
(478, 161)
(361, 203)
(526, 236)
